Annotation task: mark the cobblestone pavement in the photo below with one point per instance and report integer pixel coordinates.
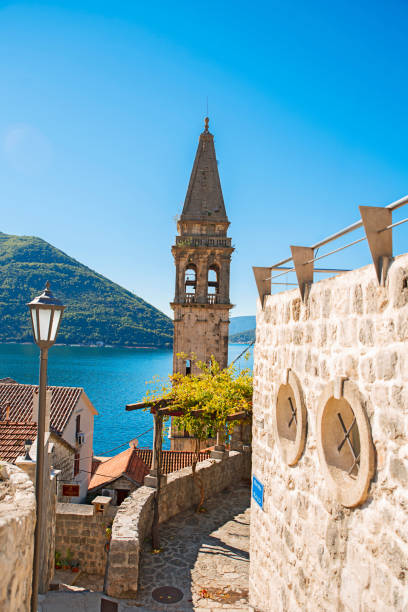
(204, 555)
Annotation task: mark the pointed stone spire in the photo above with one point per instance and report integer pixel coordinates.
(204, 200)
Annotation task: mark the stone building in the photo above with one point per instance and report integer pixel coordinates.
(13, 435)
(118, 476)
(202, 256)
(71, 422)
(330, 446)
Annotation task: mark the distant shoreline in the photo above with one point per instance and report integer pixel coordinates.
(108, 346)
(156, 348)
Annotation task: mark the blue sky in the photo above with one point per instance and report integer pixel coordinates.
(102, 104)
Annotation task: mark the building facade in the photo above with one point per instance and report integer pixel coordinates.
(69, 418)
(202, 256)
(330, 446)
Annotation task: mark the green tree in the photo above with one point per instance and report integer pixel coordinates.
(207, 403)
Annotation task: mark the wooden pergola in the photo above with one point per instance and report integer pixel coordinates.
(163, 408)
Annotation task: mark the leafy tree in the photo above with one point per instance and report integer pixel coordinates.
(206, 402)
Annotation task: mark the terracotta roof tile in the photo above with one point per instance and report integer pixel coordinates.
(20, 399)
(125, 463)
(12, 438)
(171, 460)
(136, 463)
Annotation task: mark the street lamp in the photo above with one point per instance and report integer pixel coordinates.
(27, 446)
(46, 313)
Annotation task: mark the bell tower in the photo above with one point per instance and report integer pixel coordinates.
(202, 255)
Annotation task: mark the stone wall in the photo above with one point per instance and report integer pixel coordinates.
(17, 523)
(134, 517)
(82, 532)
(47, 551)
(317, 544)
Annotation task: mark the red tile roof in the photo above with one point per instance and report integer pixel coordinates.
(171, 460)
(136, 463)
(127, 463)
(12, 438)
(20, 399)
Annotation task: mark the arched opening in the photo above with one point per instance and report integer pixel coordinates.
(190, 283)
(212, 284)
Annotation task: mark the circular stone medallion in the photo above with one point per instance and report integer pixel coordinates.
(167, 595)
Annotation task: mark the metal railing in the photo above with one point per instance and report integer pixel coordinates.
(377, 224)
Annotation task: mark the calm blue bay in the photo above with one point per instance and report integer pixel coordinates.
(111, 377)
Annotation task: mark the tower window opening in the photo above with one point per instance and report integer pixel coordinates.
(190, 283)
(188, 367)
(213, 284)
(190, 279)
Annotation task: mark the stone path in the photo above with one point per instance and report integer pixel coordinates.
(204, 555)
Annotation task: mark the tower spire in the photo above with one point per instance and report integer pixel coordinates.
(204, 200)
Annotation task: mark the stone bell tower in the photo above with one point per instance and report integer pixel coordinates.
(202, 256)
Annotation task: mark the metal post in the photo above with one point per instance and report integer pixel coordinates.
(39, 476)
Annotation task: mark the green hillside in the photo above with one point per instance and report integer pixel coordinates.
(97, 310)
(244, 337)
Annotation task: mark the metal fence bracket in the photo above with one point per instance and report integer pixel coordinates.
(304, 271)
(375, 220)
(263, 282)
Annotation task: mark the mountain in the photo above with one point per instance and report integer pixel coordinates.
(97, 310)
(241, 324)
(244, 337)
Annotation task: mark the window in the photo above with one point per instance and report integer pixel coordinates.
(344, 442)
(212, 284)
(190, 282)
(188, 367)
(290, 419)
(78, 424)
(76, 464)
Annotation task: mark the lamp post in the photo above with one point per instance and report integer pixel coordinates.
(46, 313)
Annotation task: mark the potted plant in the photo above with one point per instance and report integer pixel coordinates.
(108, 536)
(67, 561)
(75, 566)
(58, 560)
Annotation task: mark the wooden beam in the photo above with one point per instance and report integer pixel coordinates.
(238, 416)
(142, 405)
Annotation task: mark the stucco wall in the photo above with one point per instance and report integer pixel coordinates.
(85, 450)
(134, 517)
(308, 550)
(17, 523)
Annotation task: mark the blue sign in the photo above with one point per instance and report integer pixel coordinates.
(257, 491)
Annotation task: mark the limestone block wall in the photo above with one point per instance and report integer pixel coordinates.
(47, 552)
(83, 533)
(309, 551)
(17, 523)
(133, 520)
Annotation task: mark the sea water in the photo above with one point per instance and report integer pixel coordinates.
(111, 378)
